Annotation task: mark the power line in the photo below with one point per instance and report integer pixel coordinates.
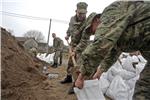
(31, 17)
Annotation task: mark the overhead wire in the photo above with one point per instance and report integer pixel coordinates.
(32, 17)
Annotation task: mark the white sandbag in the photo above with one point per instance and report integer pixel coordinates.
(123, 55)
(131, 84)
(127, 64)
(117, 69)
(113, 71)
(90, 91)
(124, 76)
(110, 77)
(104, 83)
(142, 59)
(118, 90)
(140, 66)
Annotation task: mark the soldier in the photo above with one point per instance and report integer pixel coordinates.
(125, 26)
(92, 21)
(74, 26)
(58, 48)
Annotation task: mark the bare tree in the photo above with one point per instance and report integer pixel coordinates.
(37, 35)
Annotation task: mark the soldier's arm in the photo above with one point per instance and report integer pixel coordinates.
(115, 19)
(110, 59)
(83, 42)
(71, 23)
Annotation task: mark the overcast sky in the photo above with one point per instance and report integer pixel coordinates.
(59, 10)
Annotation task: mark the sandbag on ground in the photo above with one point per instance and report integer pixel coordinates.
(90, 91)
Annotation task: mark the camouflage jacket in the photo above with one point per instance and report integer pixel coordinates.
(72, 31)
(85, 40)
(125, 26)
(86, 33)
(58, 44)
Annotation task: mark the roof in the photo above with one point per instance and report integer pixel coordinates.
(23, 39)
(42, 44)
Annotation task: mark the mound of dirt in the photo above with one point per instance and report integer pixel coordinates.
(21, 78)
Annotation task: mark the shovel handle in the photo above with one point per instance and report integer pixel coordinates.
(72, 57)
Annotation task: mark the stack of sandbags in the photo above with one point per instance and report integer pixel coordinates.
(122, 77)
(117, 83)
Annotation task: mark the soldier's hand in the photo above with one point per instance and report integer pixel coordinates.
(77, 32)
(67, 38)
(98, 73)
(136, 53)
(72, 53)
(79, 83)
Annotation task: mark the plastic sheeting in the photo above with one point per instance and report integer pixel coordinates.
(48, 58)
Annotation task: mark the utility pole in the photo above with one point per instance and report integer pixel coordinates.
(49, 34)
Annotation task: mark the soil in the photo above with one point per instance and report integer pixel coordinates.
(22, 77)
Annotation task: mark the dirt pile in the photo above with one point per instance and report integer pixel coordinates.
(21, 79)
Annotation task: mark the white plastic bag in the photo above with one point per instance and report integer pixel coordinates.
(127, 65)
(48, 59)
(118, 90)
(90, 91)
(124, 76)
(104, 83)
(113, 71)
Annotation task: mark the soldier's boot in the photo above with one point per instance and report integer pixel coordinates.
(54, 65)
(68, 79)
(71, 90)
(60, 62)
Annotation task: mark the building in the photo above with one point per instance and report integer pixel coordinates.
(28, 43)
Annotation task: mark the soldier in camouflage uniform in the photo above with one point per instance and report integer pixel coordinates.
(75, 23)
(125, 26)
(73, 31)
(58, 48)
(92, 21)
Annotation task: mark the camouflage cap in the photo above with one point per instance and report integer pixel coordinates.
(82, 7)
(89, 20)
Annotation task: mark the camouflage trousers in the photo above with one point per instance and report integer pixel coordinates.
(71, 69)
(142, 87)
(70, 66)
(75, 71)
(58, 57)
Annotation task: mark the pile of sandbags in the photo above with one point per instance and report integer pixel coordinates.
(118, 82)
(123, 76)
